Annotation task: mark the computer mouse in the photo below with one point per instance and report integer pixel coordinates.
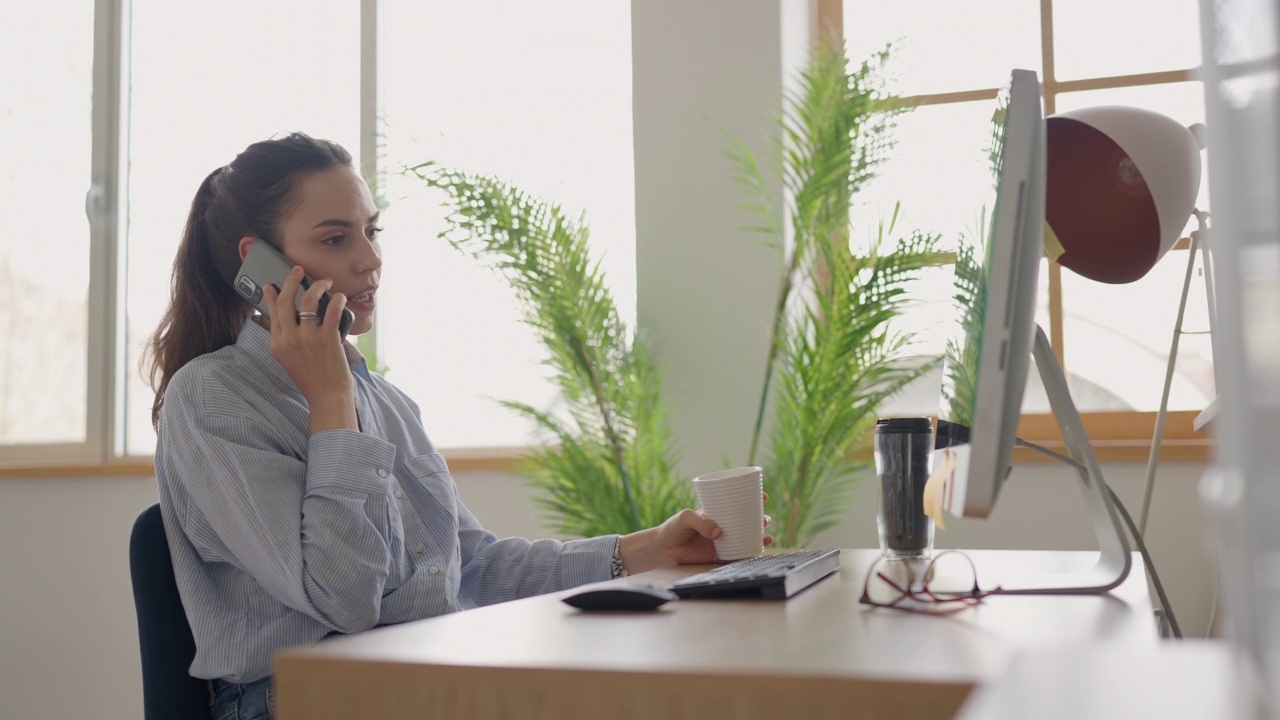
(619, 596)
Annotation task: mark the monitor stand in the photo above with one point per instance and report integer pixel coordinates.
(1114, 559)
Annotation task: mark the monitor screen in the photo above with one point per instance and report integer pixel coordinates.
(996, 270)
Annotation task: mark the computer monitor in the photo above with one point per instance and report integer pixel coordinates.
(988, 360)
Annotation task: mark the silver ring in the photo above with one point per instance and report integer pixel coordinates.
(307, 315)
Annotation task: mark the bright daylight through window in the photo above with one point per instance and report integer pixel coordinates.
(552, 116)
(547, 111)
(197, 100)
(1114, 339)
(540, 96)
(44, 261)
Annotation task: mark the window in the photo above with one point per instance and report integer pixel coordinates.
(1130, 375)
(46, 132)
(951, 57)
(132, 114)
(166, 106)
(468, 85)
(255, 70)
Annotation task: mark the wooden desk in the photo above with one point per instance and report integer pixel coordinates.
(1187, 680)
(818, 655)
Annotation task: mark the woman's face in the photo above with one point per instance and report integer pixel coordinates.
(331, 231)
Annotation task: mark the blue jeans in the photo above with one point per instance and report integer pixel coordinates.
(242, 701)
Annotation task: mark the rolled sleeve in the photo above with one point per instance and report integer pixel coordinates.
(586, 561)
(345, 459)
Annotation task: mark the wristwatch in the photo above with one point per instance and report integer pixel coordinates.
(615, 563)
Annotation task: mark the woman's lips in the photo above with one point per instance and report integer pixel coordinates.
(364, 302)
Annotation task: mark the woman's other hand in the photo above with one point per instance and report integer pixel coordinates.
(311, 352)
(688, 537)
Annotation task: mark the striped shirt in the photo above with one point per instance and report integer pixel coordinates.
(280, 537)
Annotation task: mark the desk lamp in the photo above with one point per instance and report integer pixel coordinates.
(1122, 182)
(1121, 185)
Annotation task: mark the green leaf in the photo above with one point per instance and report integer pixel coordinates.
(611, 468)
(830, 361)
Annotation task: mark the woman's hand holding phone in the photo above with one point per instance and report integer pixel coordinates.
(311, 352)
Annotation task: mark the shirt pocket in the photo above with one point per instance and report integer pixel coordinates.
(431, 473)
(427, 464)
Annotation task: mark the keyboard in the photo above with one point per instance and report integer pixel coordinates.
(771, 577)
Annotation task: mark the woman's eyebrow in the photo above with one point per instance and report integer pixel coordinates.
(345, 223)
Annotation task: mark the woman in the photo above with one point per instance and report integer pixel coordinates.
(301, 495)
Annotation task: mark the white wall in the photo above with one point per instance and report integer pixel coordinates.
(68, 639)
(705, 289)
(68, 642)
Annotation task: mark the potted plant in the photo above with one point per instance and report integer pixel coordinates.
(832, 351)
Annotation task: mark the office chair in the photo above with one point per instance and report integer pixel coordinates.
(164, 635)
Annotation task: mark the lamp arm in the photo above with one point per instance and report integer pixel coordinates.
(1158, 434)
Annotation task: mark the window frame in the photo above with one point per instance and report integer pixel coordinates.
(104, 315)
(102, 453)
(1116, 436)
(1123, 436)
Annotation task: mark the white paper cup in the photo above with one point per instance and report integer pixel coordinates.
(734, 498)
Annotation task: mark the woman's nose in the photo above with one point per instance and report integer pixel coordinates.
(369, 258)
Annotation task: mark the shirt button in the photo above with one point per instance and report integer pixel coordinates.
(382, 472)
(398, 494)
(419, 548)
(433, 570)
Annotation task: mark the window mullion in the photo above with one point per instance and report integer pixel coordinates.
(371, 160)
(104, 206)
(1049, 79)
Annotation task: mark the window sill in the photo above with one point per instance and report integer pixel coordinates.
(500, 460)
(1188, 451)
(1112, 436)
(131, 467)
(1122, 437)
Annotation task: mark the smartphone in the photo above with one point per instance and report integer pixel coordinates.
(264, 265)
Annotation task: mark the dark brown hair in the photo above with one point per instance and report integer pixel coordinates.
(247, 198)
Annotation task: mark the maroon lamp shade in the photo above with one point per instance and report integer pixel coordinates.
(1121, 184)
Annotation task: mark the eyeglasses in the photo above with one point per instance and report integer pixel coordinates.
(946, 584)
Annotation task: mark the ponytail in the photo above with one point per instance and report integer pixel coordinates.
(204, 313)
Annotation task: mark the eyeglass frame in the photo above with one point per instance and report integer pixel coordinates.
(925, 596)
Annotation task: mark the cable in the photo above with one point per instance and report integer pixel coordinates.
(1051, 453)
(1133, 530)
(1146, 558)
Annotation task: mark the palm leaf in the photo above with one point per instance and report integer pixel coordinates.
(835, 129)
(611, 467)
(831, 354)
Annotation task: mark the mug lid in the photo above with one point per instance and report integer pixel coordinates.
(904, 425)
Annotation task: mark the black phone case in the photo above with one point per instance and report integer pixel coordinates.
(264, 265)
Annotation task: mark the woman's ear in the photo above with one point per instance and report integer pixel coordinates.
(245, 243)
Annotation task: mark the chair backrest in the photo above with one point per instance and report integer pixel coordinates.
(164, 635)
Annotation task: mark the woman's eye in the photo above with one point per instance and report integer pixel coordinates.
(335, 240)
(374, 232)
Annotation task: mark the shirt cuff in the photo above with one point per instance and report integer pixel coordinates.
(350, 460)
(587, 561)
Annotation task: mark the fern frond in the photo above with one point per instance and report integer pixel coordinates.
(613, 467)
